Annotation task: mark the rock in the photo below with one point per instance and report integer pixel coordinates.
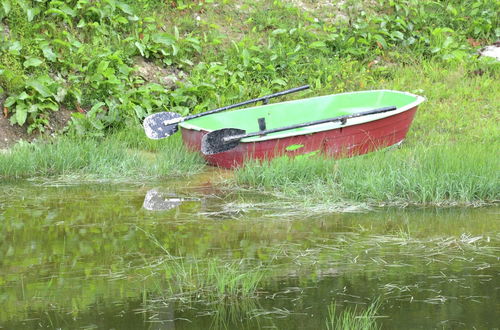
(153, 73)
(491, 51)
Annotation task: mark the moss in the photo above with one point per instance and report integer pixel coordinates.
(12, 79)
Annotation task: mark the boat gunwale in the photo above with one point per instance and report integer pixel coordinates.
(325, 126)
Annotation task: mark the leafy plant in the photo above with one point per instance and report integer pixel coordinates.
(88, 51)
(41, 95)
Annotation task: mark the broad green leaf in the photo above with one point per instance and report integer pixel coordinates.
(153, 87)
(140, 47)
(139, 111)
(163, 38)
(57, 12)
(317, 45)
(96, 107)
(31, 13)
(47, 51)
(175, 49)
(33, 108)
(246, 57)
(32, 61)
(49, 105)
(68, 10)
(121, 20)
(10, 101)
(448, 41)
(78, 115)
(43, 90)
(6, 6)
(278, 31)
(186, 61)
(103, 65)
(81, 23)
(397, 34)
(21, 114)
(125, 8)
(176, 33)
(15, 47)
(23, 96)
(381, 40)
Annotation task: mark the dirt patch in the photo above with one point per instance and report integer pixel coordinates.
(324, 10)
(10, 134)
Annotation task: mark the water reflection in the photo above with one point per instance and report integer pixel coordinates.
(96, 256)
(161, 201)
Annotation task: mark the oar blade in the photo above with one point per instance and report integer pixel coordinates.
(155, 128)
(214, 142)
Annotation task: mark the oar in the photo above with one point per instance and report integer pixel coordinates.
(228, 138)
(163, 124)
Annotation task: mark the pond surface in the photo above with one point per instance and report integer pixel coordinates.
(93, 256)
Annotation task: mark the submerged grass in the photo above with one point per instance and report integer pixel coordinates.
(440, 175)
(352, 319)
(125, 154)
(211, 280)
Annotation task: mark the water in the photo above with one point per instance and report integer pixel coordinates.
(93, 256)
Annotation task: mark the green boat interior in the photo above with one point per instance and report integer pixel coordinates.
(301, 111)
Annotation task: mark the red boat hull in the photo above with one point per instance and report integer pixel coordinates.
(340, 142)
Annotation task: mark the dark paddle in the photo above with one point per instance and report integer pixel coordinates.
(163, 124)
(228, 138)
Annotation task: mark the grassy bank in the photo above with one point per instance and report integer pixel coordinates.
(125, 155)
(461, 174)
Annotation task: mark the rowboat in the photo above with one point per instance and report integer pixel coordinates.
(339, 125)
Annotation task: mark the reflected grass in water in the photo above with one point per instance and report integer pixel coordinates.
(466, 174)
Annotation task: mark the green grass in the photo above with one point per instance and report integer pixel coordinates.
(352, 319)
(119, 156)
(441, 175)
(211, 280)
(460, 106)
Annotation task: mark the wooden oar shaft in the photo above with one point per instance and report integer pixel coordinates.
(311, 123)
